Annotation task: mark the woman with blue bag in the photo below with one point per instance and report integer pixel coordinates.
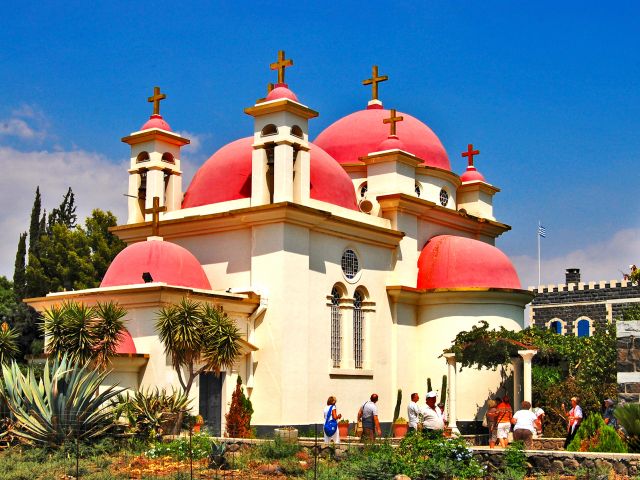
(331, 417)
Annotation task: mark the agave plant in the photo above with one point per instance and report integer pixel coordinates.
(629, 418)
(151, 412)
(64, 404)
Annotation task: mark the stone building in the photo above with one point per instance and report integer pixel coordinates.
(577, 308)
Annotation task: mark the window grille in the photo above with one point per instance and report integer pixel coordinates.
(336, 328)
(350, 264)
(358, 330)
(363, 189)
(444, 197)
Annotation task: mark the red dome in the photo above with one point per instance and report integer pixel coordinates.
(362, 132)
(227, 176)
(281, 91)
(156, 121)
(448, 261)
(126, 345)
(165, 261)
(472, 175)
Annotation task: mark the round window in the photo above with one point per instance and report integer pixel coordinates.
(363, 189)
(444, 197)
(350, 264)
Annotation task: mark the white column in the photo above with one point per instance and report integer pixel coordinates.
(259, 187)
(155, 188)
(517, 383)
(174, 192)
(135, 215)
(527, 355)
(283, 173)
(451, 390)
(302, 176)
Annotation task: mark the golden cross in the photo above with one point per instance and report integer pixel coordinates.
(393, 119)
(155, 99)
(155, 220)
(374, 80)
(280, 65)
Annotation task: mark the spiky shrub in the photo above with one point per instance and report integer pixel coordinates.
(150, 413)
(8, 343)
(594, 435)
(64, 405)
(629, 418)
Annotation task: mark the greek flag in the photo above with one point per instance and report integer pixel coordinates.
(542, 231)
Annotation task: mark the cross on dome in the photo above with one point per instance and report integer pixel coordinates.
(374, 80)
(470, 153)
(155, 219)
(393, 119)
(156, 98)
(280, 65)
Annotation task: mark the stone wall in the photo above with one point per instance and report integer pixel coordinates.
(628, 346)
(601, 302)
(563, 462)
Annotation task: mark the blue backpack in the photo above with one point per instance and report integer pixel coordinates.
(330, 424)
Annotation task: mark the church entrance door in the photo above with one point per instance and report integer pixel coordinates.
(211, 401)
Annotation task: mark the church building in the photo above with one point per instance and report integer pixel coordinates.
(349, 262)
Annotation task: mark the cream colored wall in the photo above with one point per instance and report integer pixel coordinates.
(431, 187)
(438, 326)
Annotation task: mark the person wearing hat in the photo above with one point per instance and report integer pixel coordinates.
(608, 416)
(432, 418)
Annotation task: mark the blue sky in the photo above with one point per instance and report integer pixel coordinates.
(548, 91)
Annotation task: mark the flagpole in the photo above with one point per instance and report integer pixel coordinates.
(538, 235)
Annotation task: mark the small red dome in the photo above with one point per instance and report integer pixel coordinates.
(449, 261)
(281, 91)
(165, 261)
(472, 175)
(156, 121)
(226, 175)
(391, 143)
(361, 133)
(126, 345)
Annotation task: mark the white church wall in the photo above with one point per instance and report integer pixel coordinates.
(438, 325)
(431, 187)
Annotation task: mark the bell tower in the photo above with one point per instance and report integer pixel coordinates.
(280, 169)
(155, 165)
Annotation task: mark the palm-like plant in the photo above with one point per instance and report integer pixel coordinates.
(85, 334)
(628, 417)
(8, 343)
(64, 404)
(195, 333)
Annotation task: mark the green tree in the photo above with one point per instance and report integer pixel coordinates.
(19, 269)
(197, 334)
(103, 244)
(65, 214)
(34, 225)
(84, 334)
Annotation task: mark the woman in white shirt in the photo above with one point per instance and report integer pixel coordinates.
(575, 419)
(331, 405)
(524, 425)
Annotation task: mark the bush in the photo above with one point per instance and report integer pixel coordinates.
(239, 416)
(277, 449)
(180, 449)
(629, 419)
(595, 436)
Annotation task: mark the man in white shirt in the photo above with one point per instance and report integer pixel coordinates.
(431, 415)
(413, 412)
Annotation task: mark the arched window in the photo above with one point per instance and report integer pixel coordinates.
(418, 189)
(583, 327)
(270, 129)
(296, 131)
(363, 189)
(143, 157)
(336, 328)
(358, 330)
(167, 157)
(556, 326)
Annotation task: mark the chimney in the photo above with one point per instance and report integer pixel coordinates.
(572, 275)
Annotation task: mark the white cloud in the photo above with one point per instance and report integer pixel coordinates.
(96, 183)
(196, 140)
(26, 123)
(599, 261)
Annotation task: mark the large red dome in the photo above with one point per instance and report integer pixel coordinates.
(165, 261)
(362, 132)
(448, 261)
(227, 176)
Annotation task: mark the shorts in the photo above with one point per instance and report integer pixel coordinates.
(503, 430)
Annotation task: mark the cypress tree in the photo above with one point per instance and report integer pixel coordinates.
(34, 226)
(19, 278)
